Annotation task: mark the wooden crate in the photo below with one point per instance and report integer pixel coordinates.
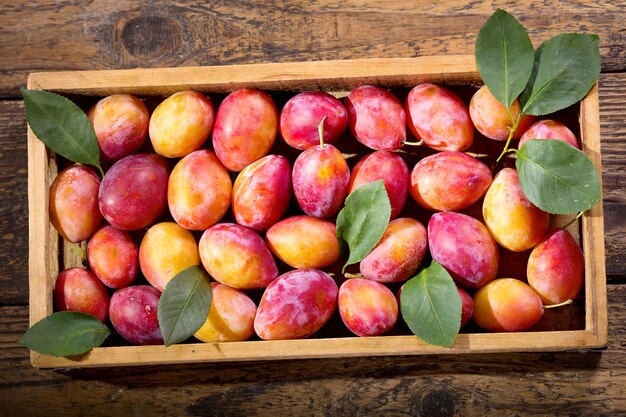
(48, 253)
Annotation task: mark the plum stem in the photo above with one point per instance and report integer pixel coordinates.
(564, 303)
(508, 140)
(349, 275)
(320, 132)
(420, 143)
(477, 155)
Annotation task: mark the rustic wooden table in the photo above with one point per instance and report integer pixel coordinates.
(70, 35)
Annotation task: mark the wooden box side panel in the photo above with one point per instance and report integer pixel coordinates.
(330, 76)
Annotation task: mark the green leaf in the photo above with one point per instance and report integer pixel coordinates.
(363, 220)
(566, 67)
(62, 126)
(504, 56)
(556, 177)
(65, 333)
(184, 305)
(431, 306)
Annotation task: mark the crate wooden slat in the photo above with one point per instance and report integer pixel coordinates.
(299, 76)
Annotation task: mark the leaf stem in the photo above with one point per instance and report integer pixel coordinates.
(578, 216)
(508, 140)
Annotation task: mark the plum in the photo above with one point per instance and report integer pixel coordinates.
(166, 249)
(464, 247)
(133, 313)
(231, 317)
(296, 305)
(367, 308)
(246, 126)
(556, 267)
(515, 222)
(506, 305)
(549, 129)
(133, 193)
(449, 181)
(302, 114)
(199, 190)
(399, 252)
(467, 306)
(237, 256)
(121, 125)
(386, 166)
(181, 123)
(73, 203)
(304, 242)
(376, 118)
(262, 192)
(113, 256)
(493, 120)
(438, 117)
(77, 289)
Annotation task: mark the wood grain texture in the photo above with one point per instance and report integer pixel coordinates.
(568, 383)
(71, 34)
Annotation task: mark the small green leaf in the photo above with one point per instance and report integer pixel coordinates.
(184, 305)
(556, 177)
(363, 220)
(62, 126)
(566, 67)
(65, 333)
(431, 306)
(504, 56)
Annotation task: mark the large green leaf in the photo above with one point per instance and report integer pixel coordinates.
(431, 306)
(184, 305)
(363, 220)
(566, 67)
(556, 177)
(504, 56)
(62, 126)
(65, 333)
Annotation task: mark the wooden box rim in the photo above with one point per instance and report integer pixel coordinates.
(295, 76)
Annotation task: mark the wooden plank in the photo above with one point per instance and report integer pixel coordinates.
(42, 35)
(566, 383)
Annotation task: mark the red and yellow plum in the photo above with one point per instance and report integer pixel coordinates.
(515, 222)
(296, 305)
(133, 313)
(556, 267)
(367, 308)
(199, 190)
(467, 306)
(261, 192)
(376, 118)
(398, 254)
(133, 193)
(77, 289)
(386, 166)
(231, 317)
(113, 256)
(74, 211)
(549, 129)
(181, 124)
(320, 180)
(237, 256)
(439, 117)
(507, 305)
(166, 249)
(245, 128)
(493, 120)
(121, 125)
(302, 114)
(449, 181)
(464, 247)
(304, 242)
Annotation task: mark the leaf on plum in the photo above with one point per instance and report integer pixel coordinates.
(184, 305)
(556, 177)
(431, 306)
(363, 220)
(65, 333)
